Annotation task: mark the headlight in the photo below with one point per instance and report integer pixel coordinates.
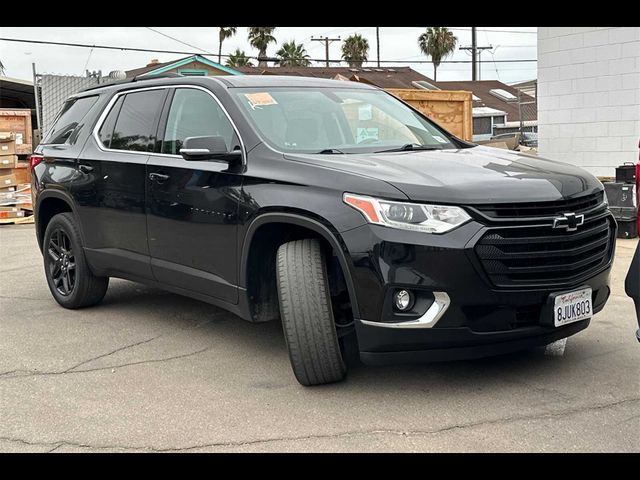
(408, 216)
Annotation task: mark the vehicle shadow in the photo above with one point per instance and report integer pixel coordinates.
(264, 342)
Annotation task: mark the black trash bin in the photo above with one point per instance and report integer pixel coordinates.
(627, 219)
(626, 173)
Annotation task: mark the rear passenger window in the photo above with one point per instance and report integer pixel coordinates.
(135, 127)
(106, 130)
(194, 113)
(70, 116)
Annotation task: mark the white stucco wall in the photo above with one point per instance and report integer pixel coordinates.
(589, 96)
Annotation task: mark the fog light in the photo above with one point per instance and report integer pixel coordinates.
(403, 300)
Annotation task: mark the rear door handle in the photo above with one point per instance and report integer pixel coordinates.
(158, 177)
(85, 168)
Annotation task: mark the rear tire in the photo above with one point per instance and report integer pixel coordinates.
(307, 316)
(71, 282)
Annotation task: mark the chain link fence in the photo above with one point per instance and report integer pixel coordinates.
(53, 90)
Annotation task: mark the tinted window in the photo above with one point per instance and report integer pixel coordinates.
(194, 113)
(136, 124)
(72, 113)
(106, 130)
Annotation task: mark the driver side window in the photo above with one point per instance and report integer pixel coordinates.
(195, 113)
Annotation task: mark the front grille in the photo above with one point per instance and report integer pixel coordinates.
(541, 209)
(541, 256)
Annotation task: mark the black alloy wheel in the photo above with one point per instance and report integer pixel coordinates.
(62, 262)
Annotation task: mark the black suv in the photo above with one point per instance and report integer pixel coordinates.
(331, 205)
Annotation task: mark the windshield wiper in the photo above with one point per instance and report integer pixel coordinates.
(409, 147)
(329, 151)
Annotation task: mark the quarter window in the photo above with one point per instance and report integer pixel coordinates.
(135, 127)
(68, 120)
(194, 113)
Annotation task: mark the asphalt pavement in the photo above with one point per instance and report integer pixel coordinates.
(152, 371)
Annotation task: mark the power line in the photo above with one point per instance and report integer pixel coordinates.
(182, 52)
(177, 40)
(468, 29)
(327, 41)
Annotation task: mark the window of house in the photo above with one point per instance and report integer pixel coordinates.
(192, 72)
(195, 113)
(482, 125)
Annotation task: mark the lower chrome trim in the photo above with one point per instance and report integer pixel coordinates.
(428, 320)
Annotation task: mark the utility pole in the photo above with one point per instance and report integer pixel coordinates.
(326, 41)
(475, 53)
(474, 49)
(378, 44)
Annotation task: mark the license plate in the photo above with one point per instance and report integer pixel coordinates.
(572, 307)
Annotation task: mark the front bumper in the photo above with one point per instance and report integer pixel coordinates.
(468, 318)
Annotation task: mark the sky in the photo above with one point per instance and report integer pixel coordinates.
(396, 43)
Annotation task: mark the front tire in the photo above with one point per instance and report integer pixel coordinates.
(70, 280)
(307, 316)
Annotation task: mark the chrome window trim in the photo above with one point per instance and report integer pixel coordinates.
(434, 313)
(114, 99)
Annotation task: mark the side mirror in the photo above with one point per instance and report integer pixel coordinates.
(208, 148)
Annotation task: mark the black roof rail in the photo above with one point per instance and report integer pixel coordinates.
(153, 77)
(137, 78)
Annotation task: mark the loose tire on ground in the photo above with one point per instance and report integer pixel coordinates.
(307, 317)
(70, 280)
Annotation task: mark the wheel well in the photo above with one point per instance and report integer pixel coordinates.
(47, 209)
(261, 267)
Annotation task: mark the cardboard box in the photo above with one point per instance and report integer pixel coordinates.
(23, 175)
(18, 213)
(8, 181)
(18, 122)
(8, 161)
(8, 147)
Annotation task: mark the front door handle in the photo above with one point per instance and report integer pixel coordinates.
(158, 177)
(85, 168)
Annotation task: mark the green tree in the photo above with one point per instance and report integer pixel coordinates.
(223, 34)
(292, 54)
(437, 43)
(355, 50)
(260, 38)
(238, 59)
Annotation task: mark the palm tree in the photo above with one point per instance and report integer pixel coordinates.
(292, 54)
(225, 32)
(355, 50)
(238, 59)
(437, 43)
(260, 38)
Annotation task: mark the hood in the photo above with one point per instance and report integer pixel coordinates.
(467, 176)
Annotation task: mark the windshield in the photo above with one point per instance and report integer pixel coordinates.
(338, 120)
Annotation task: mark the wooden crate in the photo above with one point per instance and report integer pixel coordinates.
(18, 121)
(451, 109)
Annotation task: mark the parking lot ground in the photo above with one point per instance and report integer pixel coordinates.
(151, 371)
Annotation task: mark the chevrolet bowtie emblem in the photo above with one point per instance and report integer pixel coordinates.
(570, 222)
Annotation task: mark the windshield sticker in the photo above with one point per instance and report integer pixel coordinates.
(367, 134)
(364, 112)
(438, 138)
(260, 99)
